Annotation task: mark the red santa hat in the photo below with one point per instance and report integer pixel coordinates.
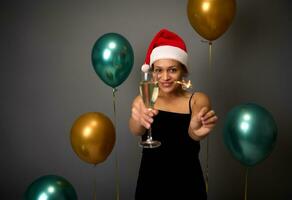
(165, 45)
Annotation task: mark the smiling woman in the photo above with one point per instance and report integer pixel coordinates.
(168, 72)
(179, 120)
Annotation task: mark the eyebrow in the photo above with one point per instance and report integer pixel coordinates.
(172, 66)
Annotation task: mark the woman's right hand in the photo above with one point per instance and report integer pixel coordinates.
(142, 114)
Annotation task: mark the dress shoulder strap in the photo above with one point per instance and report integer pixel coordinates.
(190, 101)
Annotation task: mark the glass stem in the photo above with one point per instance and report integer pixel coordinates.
(149, 134)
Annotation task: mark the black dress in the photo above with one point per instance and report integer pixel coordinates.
(172, 170)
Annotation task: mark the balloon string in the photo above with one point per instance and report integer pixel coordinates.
(245, 190)
(207, 151)
(94, 184)
(210, 54)
(207, 167)
(116, 151)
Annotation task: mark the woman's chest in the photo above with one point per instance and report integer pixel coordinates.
(179, 105)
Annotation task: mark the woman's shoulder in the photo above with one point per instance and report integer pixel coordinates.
(137, 99)
(200, 98)
(200, 95)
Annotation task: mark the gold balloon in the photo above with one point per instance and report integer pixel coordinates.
(93, 137)
(211, 18)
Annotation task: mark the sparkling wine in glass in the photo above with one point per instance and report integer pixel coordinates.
(149, 92)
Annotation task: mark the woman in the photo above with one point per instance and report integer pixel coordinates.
(179, 121)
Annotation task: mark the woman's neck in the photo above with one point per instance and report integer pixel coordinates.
(176, 93)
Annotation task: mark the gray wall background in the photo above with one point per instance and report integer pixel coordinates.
(47, 81)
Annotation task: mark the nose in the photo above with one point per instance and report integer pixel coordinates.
(164, 75)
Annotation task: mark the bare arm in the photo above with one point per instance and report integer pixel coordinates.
(203, 118)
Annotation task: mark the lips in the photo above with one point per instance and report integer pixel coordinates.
(166, 84)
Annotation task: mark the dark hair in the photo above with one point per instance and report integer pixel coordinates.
(185, 70)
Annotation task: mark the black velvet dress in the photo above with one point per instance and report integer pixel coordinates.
(172, 170)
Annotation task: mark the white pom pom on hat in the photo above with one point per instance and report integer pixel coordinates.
(145, 68)
(165, 45)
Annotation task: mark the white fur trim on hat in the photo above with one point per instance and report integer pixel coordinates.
(169, 52)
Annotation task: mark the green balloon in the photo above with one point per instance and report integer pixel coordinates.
(112, 58)
(50, 187)
(250, 133)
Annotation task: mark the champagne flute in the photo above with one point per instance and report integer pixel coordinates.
(149, 92)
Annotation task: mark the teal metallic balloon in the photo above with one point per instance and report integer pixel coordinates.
(112, 58)
(50, 187)
(250, 133)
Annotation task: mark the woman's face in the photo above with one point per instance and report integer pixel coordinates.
(166, 72)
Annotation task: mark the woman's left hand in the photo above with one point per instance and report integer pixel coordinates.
(202, 123)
